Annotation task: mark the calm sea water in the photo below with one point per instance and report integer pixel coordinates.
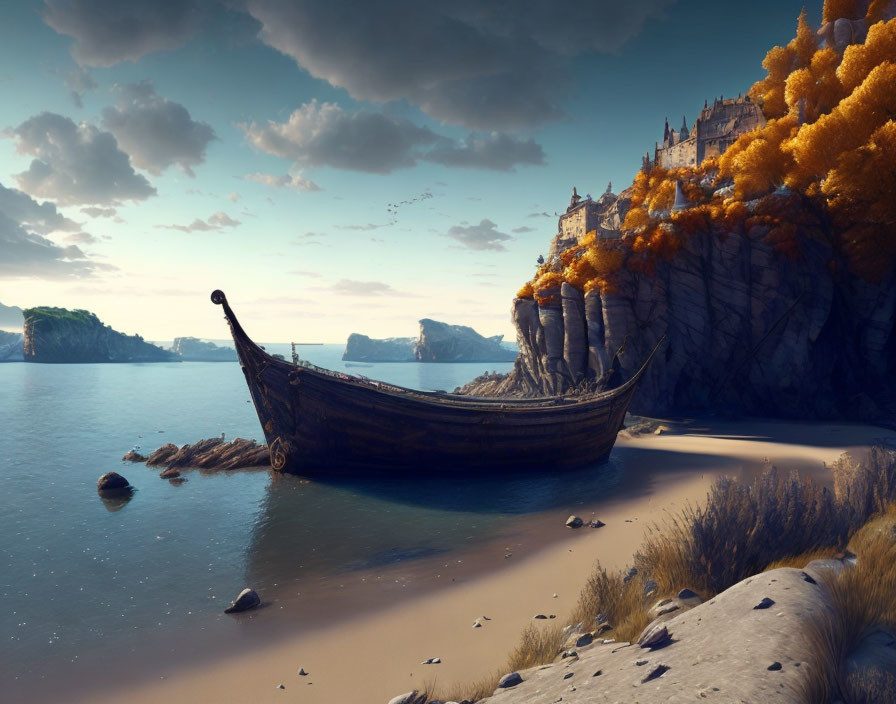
(83, 580)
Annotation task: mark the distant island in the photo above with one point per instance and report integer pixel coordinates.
(10, 317)
(192, 349)
(12, 346)
(437, 342)
(58, 335)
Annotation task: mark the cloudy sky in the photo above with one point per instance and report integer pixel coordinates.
(332, 166)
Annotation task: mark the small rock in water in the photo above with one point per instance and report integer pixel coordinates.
(511, 679)
(111, 481)
(431, 661)
(765, 603)
(247, 599)
(573, 522)
(133, 456)
(302, 672)
(775, 666)
(177, 481)
(170, 473)
(687, 594)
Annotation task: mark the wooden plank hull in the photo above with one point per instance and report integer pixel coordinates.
(318, 422)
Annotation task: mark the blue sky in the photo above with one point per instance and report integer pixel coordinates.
(153, 151)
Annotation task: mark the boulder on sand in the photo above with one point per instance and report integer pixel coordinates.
(247, 599)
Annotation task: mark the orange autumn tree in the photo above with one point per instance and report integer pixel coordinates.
(830, 139)
(780, 62)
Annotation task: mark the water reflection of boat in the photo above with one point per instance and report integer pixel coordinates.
(322, 422)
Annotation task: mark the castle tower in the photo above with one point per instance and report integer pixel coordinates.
(666, 134)
(684, 133)
(574, 199)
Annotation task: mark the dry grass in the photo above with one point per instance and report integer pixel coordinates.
(778, 520)
(862, 598)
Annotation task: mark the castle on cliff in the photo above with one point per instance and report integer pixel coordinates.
(717, 128)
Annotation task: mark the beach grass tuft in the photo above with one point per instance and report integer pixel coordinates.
(777, 520)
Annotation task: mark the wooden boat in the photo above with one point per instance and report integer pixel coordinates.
(319, 422)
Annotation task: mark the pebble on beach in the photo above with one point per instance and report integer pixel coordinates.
(574, 522)
(247, 599)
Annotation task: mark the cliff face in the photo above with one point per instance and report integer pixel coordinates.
(60, 335)
(360, 348)
(748, 330)
(191, 349)
(12, 346)
(440, 342)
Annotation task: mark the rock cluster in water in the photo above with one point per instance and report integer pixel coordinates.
(214, 453)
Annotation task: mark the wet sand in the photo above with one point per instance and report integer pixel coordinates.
(375, 655)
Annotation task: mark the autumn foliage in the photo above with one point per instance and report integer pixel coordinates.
(823, 166)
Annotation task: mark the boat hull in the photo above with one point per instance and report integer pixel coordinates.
(324, 423)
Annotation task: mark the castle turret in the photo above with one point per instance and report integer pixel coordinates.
(666, 134)
(574, 199)
(684, 133)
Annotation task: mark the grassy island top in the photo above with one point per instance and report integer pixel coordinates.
(60, 314)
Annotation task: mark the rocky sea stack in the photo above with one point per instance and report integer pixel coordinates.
(60, 335)
(437, 342)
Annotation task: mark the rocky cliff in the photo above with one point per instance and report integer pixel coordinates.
(12, 346)
(360, 348)
(748, 331)
(192, 349)
(60, 335)
(440, 342)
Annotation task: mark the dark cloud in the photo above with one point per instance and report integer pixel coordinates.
(294, 181)
(78, 82)
(39, 217)
(75, 163)
(521, 230)
(324, 134)
(107, 32)
(496, 151)
(27, 254)
(99, 212)
(215, 223)
(156, 132)
(483, 236)
(81, 238)
(485, 66)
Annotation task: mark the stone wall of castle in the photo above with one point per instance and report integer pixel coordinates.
(717, 128)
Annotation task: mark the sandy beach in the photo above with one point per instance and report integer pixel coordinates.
(373, 657)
